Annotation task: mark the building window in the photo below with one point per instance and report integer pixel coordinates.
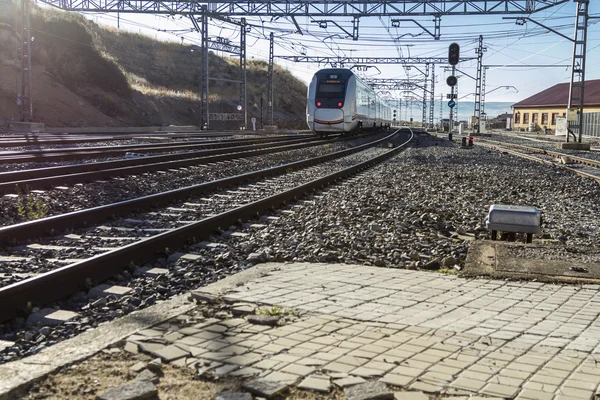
(525, 118)
(518, 118)
(554, 115)
(534, 118)
(544, 118)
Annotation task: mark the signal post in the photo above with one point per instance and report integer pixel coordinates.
(453, 57)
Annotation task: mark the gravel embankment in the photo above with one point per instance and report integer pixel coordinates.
(400, 214)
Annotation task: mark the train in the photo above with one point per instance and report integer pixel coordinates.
(338, 101)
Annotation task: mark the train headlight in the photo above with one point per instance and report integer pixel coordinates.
(318, 104)
(340, 104)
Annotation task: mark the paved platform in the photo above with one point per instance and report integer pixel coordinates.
(432, 334)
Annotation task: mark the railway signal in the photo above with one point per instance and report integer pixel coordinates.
(453, 53)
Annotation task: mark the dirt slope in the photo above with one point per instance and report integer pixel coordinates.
(87, 75)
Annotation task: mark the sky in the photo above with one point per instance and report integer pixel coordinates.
(507, 45)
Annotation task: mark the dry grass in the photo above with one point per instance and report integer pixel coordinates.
(109, 67)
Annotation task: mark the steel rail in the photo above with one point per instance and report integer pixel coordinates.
(92, 174)
(105, 151)
(13, 176)
(87, 217)
(47, 139)
(63, 281)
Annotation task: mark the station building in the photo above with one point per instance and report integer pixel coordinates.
(543, 108)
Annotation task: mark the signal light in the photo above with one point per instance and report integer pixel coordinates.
(340, 104)
(318, 104)
(453, 53)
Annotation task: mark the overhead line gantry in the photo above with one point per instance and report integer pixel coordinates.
(312, 8)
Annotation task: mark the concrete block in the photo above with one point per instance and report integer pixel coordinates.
(106, 290)
(573, 146)
(50, 316)
(136, 390)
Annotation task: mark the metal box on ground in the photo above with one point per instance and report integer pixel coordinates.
(519, 219)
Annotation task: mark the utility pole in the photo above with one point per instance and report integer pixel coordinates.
(478, 90)
(424, 111)
(243, 98)
(26, 98)
(442, 110)
(576, 90)
(270, 88)
(432, 98)
(204, 112)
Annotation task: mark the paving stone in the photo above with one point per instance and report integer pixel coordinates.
(243, 309)
(468, 384)
(369, 391)
(264, 387)
(50, 316)
(410, 396)
(270, 320)
(203, 296)
(225, 370)
(233, 396)
(137, 367)
(155, 365)
(316, 383)
(147, 375)
(282, 377)
(296, 369)
(135, 390)
(171, 353)
(348, 381)
(397, 380)
(131, 347)
(246, 372)
(495, 389)
(534, 395)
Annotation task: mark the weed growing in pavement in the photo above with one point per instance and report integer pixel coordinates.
(30, 207)
(448, 271)
(277, 311)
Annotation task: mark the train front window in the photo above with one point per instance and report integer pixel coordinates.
(330, 90)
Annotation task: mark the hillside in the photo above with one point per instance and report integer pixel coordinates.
(89, 75)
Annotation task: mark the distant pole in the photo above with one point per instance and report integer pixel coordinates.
(451, 125)
(271, 72)
(432, 98)
(442, 110)
(243, 97)
(478, 84)
(26, 97)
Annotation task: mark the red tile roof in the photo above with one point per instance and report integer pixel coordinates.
(558, 96)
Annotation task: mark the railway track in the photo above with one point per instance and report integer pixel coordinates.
(76, 153)
(43, 178)
(62, 139)
(582, 166)
(62, 264)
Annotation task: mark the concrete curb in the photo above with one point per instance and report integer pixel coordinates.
(17, 376)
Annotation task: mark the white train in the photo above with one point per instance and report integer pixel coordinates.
(340, 102)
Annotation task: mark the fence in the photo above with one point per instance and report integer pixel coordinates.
(590, 124)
